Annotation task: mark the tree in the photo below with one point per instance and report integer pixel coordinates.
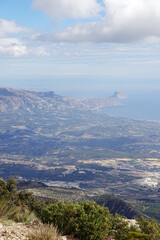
(11, 185)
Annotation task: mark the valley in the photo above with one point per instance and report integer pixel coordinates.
(69, 143)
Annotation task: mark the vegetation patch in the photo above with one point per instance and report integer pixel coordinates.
(83, 220)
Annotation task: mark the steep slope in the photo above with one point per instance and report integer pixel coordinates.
(116, 205)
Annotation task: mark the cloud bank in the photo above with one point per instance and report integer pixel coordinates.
(124, 21)
(117, 21)
(68, 8)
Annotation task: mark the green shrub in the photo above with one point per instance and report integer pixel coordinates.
(34, 204)
(150, 227)
(120, 228)
(86, 221)
(137, 236)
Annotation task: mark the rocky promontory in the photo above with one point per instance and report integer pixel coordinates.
(119, 95)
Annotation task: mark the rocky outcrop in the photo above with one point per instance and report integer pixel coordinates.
(119, 95)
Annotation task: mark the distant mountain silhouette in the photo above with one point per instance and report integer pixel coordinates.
(32, 101)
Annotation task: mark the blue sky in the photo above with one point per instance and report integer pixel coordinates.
(80, 48)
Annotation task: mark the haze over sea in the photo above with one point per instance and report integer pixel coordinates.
(138, 105)
(142, 102)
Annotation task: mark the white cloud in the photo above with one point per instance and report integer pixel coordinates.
(16, 48)
(124, 21)
(12, 47)
(10, 28)
(128, 20)
(68, 8)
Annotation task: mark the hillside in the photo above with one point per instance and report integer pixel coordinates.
(115, 205)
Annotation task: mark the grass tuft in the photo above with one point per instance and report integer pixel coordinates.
(44, 232)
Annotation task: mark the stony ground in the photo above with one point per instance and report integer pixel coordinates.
(19, 231)
(15, 231)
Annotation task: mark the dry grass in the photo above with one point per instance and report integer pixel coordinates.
(16, 213)
(44, 232)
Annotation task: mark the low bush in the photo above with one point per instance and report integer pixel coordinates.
(86, 221)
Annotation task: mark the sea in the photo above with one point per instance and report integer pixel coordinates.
(143, 105)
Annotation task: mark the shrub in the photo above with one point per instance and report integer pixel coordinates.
(34, 204)
(150, 227)
(120, 228)
(137, 236)
(86, 221)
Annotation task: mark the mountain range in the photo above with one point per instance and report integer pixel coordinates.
(31, 101)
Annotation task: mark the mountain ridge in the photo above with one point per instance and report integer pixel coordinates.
(24, 100)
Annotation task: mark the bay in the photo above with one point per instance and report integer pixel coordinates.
(138, 105)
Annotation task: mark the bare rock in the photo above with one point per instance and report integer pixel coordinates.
(63, 238)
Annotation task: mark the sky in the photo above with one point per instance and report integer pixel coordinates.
(80, 48)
